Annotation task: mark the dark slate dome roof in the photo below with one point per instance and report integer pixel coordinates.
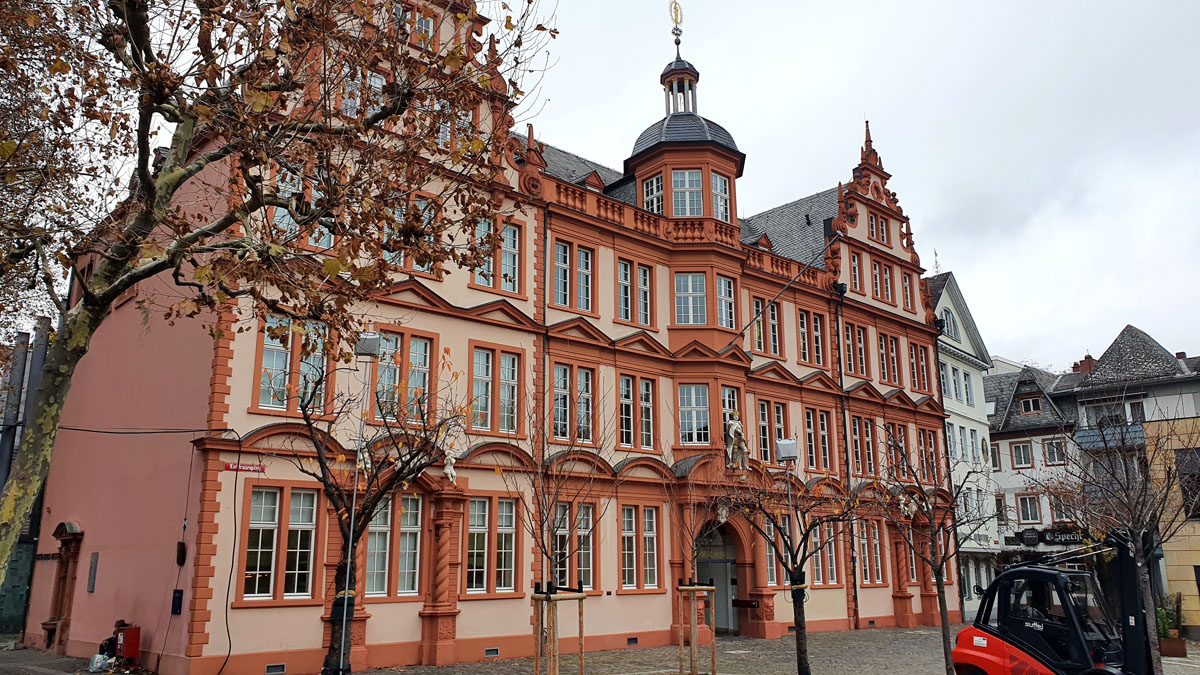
(679, 64)
(683, 128)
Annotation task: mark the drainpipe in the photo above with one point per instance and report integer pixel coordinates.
(840, 289)
(937, 352)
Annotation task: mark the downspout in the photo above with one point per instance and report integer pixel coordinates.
(937, 352)
(840, 289)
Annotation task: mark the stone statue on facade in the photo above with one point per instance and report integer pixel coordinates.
(448, 470)
(737, 455)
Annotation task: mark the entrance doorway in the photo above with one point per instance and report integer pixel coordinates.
(717, 560)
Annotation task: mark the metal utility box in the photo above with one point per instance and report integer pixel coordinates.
(785, 450)
(129, 640)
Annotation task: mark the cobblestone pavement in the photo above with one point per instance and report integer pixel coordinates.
(893, 651)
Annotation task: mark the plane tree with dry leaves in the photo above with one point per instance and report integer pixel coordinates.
(260, 157)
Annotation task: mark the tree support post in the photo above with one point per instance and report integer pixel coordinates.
(691, 591)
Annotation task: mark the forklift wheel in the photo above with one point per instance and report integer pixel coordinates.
(960, 669)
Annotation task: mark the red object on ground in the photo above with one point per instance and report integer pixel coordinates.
(129, 642)
(993, 656)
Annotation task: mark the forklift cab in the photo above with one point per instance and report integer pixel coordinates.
(1040, 620)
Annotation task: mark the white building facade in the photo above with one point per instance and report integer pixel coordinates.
(963, 360)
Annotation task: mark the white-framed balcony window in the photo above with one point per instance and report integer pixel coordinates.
(690, 299)
(720, 197)
(726, 315)
(652, 194)
(687, 194)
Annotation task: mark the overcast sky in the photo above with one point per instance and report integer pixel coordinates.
(1049, 151)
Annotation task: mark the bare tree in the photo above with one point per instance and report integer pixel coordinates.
(414, 429)
(788, 514)
(565, 490)
(1141, 480)
(310, 151)
(933, 514)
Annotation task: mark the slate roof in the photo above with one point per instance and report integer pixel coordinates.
(796, 229)
(1133, 356)
(937, 284)
(683, 127)
(1006, 389)
(680, 64)
(571, 167)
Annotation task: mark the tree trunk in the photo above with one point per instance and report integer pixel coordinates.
(32, 460)
(337, 659)
(802, 665)
(1143, 573)
(939, 580)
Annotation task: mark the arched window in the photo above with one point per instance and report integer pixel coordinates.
(951, 324)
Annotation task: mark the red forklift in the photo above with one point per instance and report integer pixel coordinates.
(1041, 619)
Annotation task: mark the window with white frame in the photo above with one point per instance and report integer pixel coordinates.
(652, 194)
(720, 197)
(1056, 452)
(887, 283)
(764, 430)
(996, 461)
(379, 539)
(583, 279)
(477, 545)
(399, 354)
(818, 344)
(287, 186)
(810, 438)
(645, 278)
(624, 290)
(583, 550)
(769, 551)
(408, 546)
(635, 408)
(956, 380)
(1022, 455)
(302, 526)
(634, 292)
(974, 445)
(293, 365)
(968, 389)
(690, 299)
(907, 282)
(943, 376)
(562, 401)
(1031, 405)
(823, 421)
(1028, 509)
(506, 544)
(876, 553)
(950, 324)
(876, 282)
(649, 547)
(647, 412)
(855, 272)
(583, 404)
(562, 274)
(351, 91)
(260, 543)
(759, 333)
(629, 537)
(693, 414)
(773, 339)
(726, 316)
(481, 389)
(687, 197)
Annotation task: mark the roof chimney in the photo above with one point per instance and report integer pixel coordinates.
(1181, 355)
(1086, 365)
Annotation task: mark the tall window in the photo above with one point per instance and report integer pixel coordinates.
(639, 547)
(772, 427)
(302, 526)
(402, 375)
(773, 328)
(876, 553)
(968, 389)
(818, 344)
(687, 194)
(494, 390)
(506, 536)
(943, 377)
(645, 293)
(823, 421)
(759, 333)
(573, 264)
(635, 403)
(855, 272)
(408, 548)
(379, 536)
(1001, 510)
(506, 258)
(260, 543)
(293, 371)
(907, 283)
(729, 404)
(802, 335)
(652, 194)
(974, 445)
(693, 414)
(624, 290)
(629, 575)
(856, 424)
(477, 546)
(810, 438)
(918, 367)
(573, 391)
(287, 186)
(856, 350)
(690, 300)
(887, 283)
(956, 382)
(769, 551)
(649, 547)
(809, 335)
(869, 447)
(876, 283)
(950, 324)
(720, 197)
(726, 318)
(1028, 509)
(996, 461)
(583, 546)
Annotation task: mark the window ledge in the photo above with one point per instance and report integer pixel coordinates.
(381, 599)
(276, 602)
(641, 591)
(491, 596)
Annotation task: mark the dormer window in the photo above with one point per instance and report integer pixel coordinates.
(652, 194)
(1031, 405)
(687, 194)
(720, 197)
(950, 324)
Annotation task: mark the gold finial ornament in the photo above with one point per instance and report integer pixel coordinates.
(676, 12)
